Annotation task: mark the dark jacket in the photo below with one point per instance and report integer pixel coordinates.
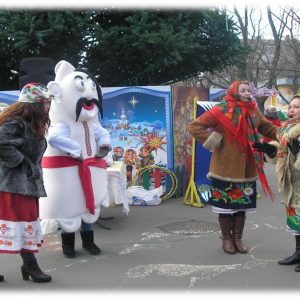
(20, 159)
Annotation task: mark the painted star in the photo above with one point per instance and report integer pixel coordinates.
(153, 141)
(133, 101)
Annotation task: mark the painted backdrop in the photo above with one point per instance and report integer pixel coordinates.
(183, 110)
(139, 120)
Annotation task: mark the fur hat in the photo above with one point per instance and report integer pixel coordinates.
(271, 112)
(34, 92)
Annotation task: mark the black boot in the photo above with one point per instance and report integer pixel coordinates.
(238, 228)
(88, 242)
(1, 278)
(68, 243)
(297, 269)
(225, 222)
(294, 258)
(31, 268)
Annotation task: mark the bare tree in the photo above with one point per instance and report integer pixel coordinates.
(293, 44)
(277, 35)
(272, 36)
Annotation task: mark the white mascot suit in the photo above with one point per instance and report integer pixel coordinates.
(74, 170)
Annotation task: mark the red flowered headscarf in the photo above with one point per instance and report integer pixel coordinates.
(34, 92)
(237, 117)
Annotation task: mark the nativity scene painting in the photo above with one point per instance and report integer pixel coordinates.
(140, 123)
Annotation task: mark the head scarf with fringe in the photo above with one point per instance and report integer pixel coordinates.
(237, 118)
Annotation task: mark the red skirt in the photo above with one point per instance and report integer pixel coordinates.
(20, 228)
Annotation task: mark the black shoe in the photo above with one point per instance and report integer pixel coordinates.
(88, 242)
(68, 243)
(33, 270)
(68, 251)
(297, 269)
(291, 260)
(1, 278)
(93, 249)
(294, 258)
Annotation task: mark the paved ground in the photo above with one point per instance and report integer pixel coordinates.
(170, 247)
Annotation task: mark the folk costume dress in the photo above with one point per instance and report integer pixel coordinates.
(288, 172)
(21, 185)
(229, 130)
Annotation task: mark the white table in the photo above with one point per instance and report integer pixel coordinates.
(116, 177)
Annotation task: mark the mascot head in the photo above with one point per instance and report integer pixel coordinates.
(78, 94)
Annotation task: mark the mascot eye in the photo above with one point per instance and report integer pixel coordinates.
(93, 85)
(80, 85)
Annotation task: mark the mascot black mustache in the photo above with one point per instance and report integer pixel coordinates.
(93, 100)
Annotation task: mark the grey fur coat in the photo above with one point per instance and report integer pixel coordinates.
(20, 159)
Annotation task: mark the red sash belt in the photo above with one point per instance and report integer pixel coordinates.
(84, 173)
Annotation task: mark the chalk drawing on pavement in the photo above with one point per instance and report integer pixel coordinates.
(205, 272)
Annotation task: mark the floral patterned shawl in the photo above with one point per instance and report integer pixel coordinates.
(237, 117)
(282, 151)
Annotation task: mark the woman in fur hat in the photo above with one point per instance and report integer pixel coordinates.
(288, 173)
(23, 126)
(229, 130)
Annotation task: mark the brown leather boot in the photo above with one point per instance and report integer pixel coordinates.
(33, 270)
(227, 239)
(238, 228)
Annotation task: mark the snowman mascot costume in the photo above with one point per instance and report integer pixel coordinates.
(74, 170)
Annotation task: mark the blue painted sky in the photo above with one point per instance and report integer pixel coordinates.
(148, 108)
